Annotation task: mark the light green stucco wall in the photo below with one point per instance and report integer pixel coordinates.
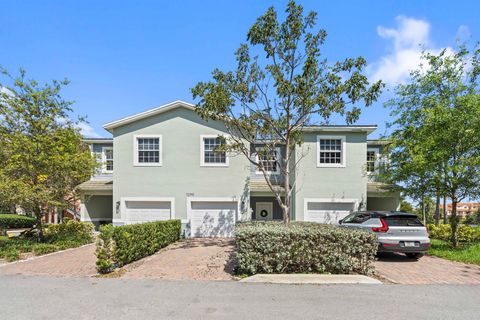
(349, 182)
(180, 173)
(95, 207)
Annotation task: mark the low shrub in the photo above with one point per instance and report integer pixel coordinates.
(12, 221)
(117, 246)
(303, 247)
(443, 232)
(71, 230)
(57, 237)
(44, 248)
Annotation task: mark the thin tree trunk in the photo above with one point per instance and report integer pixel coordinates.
(286, 207)
(437, 209)
(423, 211)
(454, 222)
(445, 218)
(38, 215)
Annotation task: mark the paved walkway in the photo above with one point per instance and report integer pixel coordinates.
(194, 259)
(77, 262)
(397, 268)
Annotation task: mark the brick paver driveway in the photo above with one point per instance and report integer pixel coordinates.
(194, 259)
(75, 262)
(397, 268)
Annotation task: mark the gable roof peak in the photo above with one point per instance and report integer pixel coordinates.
(148, 113)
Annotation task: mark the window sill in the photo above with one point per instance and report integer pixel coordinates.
(214, 165)
(147, 164)
(331, 165)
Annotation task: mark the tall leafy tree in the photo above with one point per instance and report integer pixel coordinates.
(42, 154)
(282, 83)
(436, 131)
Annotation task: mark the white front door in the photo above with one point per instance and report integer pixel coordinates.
(264, 211)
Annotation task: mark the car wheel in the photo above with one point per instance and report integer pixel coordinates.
(414, 255)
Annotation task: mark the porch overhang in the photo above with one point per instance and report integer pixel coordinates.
(261, 188)
(96, 187)
(380, 189)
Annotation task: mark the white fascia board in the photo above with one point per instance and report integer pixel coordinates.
(142, 115)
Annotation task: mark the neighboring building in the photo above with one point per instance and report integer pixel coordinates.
(161, 164)
(463, 208)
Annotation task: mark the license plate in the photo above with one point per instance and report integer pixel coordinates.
(410, 244)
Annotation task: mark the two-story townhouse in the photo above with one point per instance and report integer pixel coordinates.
(163, 164)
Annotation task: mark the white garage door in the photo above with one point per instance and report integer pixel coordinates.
(213, 218)
(328, 212)
(138, 211)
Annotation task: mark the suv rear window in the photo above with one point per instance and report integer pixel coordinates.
(357, 217)
(399, 221)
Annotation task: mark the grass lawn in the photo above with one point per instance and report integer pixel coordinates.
(468, 253)
(57, 237)
(12, 249)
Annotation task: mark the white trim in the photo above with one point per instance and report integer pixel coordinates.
(344, 152)
(212, 199)
(202, 152)
(98, 141)
(365, 128)
(123, 207)
(142, 115)
(96, 219)
(104, 160)
(279, 154)
(355, 202)
(135, 150)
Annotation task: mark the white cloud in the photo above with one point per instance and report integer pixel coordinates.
(410, 37)
(87, 131)
(463, 33)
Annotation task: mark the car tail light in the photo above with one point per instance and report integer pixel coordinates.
(383, 228)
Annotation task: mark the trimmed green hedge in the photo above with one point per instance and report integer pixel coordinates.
(117, 246)
(11, 221)
(303, 247)
(444, 232)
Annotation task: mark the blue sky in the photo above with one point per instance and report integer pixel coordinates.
(124, 57)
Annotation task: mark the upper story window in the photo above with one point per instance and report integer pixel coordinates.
(331, 151)
(371, 159)
(148, 150)
(210, 155)
(107, 159)
(268, 159)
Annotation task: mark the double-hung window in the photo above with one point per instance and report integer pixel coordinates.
(211, 155)
(268, 159)
(107, 159)
(371, 159)
(148, 150)
(331, 151)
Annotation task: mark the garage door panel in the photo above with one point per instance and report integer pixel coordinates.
(213, 219)
(328, 212)
(145, 211)
(209, 205)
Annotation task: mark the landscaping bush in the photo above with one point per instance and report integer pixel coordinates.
(71, 230)
(117, 246)
(303, 247)
(57, 237)
(12, 221)
(444, 231)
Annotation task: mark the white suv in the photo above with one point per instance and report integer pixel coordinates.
(397, 231)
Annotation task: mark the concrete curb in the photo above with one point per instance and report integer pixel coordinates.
(311, 279)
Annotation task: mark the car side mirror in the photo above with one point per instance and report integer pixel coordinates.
(340, 221)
